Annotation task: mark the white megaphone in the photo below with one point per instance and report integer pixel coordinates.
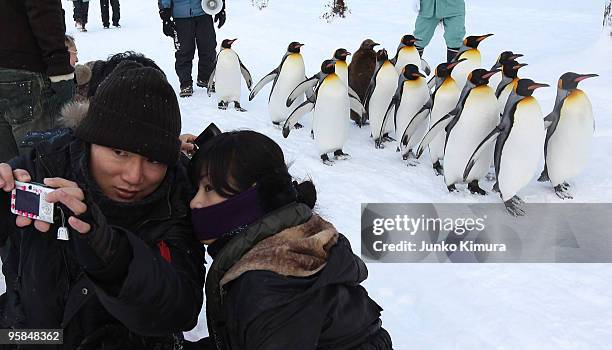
(212, 7)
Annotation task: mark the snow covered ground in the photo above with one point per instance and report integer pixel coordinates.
(427, 306)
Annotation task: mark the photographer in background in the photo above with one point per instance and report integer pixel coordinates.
(193, 28)
(36, 77)
(131, 274)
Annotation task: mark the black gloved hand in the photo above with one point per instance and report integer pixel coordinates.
(62, 92)
(220, 17)
(168, 28)
(165, 14)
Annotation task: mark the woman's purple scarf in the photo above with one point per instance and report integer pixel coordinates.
(214, 221)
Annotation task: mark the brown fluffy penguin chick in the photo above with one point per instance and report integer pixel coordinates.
(360, 71)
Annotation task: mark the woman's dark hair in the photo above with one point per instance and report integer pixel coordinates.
(102, 69)
(234, 161)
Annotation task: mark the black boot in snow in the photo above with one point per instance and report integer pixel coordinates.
(186, 91)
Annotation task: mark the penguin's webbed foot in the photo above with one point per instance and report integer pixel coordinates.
(496, 187)
(387, 138)
(566, 186)
(326, 160)
(340, 155)
(452, 188)
(312, 134)
(238, 107)
(513, 207)
(491, 176)
(475, 188)
(378, 143)
(562, 192)
(298, 126)
(438, 168)
(517, 199)
(223, 105)
(544, 176)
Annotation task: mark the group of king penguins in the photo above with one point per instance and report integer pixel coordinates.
(470, 119)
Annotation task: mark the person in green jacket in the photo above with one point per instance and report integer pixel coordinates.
(452, 15)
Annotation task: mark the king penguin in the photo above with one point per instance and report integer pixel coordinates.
(499, 63)
(380, 92)
(341, 68)
(471, 120)
(226, 76)
(569, 133)
(443, 100)
(519, 140)
(407, 53)
(360, 72)
(508, 83)
(410, 118)
(331, 107)
(289, 73)
(469, 50)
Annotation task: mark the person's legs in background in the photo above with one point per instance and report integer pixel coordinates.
(454, 32)
(116, 12)
(424, 29)
(206, 41)
(186, 32)
(104, 13)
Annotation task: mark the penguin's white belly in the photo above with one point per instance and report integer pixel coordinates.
(503, 97)
(495, 80)
(523, 150)
(568, 147)
(445, 101)
(342, 72)
(477, 120)
(291, 74)
(386, 84)
(463, 69)
(331, 115)
(227, 76)
(407, 58)
(413, 99)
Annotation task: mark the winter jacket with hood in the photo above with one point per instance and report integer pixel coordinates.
(290, 281)
(33, 37)
(133, 282)
(183, 8)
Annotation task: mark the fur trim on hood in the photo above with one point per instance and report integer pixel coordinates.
(298, 251)
(72, 113)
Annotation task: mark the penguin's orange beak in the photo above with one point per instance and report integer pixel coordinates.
(537, 86)
(519, 66)
(482, 37)
(419, 74)
(491, 73)
(232, 41)
(452, 65)
(582, 77)
(515, 56)
(300, 45)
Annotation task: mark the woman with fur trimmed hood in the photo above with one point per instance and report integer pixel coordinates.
(282, 276)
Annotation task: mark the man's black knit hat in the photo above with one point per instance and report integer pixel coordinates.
(135, 109)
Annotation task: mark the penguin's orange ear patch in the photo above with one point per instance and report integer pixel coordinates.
(560, 84)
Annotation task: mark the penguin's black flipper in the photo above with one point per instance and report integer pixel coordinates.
(263, 82)
(371, 87)
(246, 75)
(484, 144)
(353, 94)
(356, 106)
(295, 116)
(414, 123)
(501, 87)
(211, 82)
(425, 66)
(433, 132)
(304, 87)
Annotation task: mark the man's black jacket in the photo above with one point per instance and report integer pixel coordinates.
(139, 278)
(32, 37)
